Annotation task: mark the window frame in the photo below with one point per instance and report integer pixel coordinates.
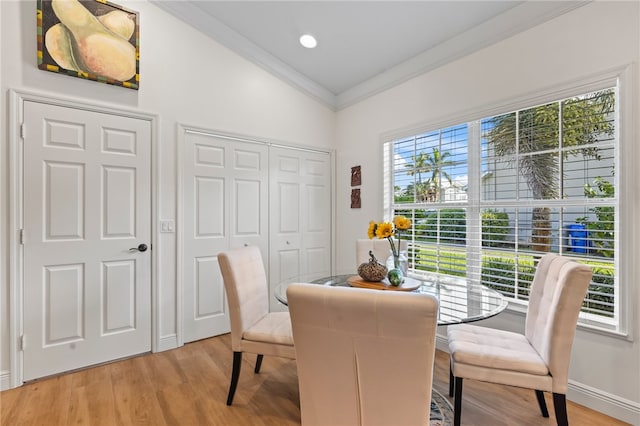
(626, 158)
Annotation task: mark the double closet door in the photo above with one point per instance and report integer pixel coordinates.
(238, 192)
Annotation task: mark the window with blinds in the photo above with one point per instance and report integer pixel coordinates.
(488, 198)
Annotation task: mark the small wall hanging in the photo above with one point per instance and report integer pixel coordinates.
(95, 40)
(355, 198)
(356, 180)
(356, 176)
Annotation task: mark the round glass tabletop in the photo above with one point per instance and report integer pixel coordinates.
(459, 299)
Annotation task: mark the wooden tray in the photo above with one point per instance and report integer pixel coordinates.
(409, 284)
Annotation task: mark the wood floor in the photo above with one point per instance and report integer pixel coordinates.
(188, 386)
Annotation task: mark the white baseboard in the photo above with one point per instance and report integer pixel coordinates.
(604, 402)
(596, 399)
(167, 342)
(5, 380)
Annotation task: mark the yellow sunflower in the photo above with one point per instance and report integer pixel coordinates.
(384, 230)
(402, 223)
(371, 232)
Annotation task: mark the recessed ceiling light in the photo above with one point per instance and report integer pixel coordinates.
(308, 41)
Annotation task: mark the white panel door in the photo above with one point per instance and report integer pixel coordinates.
(300, 216)
(225, 203)
(87, 202)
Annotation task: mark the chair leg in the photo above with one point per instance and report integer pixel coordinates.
(560, 407)
(235, 375)
(457, 403)
(541, 403)
(258, 363)
(451, 379)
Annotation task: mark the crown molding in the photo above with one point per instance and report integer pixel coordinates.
(526, 15)
(515, 20)
(190, 13)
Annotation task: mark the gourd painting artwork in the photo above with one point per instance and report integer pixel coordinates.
(95, 40)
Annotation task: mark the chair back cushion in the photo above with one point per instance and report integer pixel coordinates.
(245, 282)
(364, 357)
(559, 287)
(380, 247)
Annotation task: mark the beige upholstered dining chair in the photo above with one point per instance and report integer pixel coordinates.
(253, 328)
(380, 247)
(364, 357)
(537, 360)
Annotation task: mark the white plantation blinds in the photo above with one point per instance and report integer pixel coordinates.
(488, 198)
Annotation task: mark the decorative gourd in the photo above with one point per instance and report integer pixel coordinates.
(372, 270)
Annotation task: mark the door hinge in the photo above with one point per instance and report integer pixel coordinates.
(23, 342)
(21, 236)
(22, 130)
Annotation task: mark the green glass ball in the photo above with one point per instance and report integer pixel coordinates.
(395, 277)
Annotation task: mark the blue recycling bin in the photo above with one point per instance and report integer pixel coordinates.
(578, 238)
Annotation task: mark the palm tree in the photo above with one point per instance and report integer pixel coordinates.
(418, 167)
(437, 164)
(537, 141)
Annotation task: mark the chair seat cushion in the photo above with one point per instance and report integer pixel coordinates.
(274, 327)
(495, 349)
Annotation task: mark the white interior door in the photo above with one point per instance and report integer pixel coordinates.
(300, 216)
(87, 202)
(225, 202)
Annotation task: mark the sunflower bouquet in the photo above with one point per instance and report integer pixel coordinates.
(388, 230)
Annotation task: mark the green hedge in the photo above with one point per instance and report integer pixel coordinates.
(453, 226)
(499, 273)
(495, 227)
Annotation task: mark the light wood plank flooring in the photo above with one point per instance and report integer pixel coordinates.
(188, 386)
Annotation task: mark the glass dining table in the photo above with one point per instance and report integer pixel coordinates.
(460, 300)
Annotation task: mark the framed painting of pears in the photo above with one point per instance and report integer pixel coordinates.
(91, 39)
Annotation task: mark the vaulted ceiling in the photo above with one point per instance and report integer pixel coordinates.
(363, 47)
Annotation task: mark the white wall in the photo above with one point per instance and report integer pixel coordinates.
(605, 370)
(185, 78)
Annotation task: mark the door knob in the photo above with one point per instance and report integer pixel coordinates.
(141, 247)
